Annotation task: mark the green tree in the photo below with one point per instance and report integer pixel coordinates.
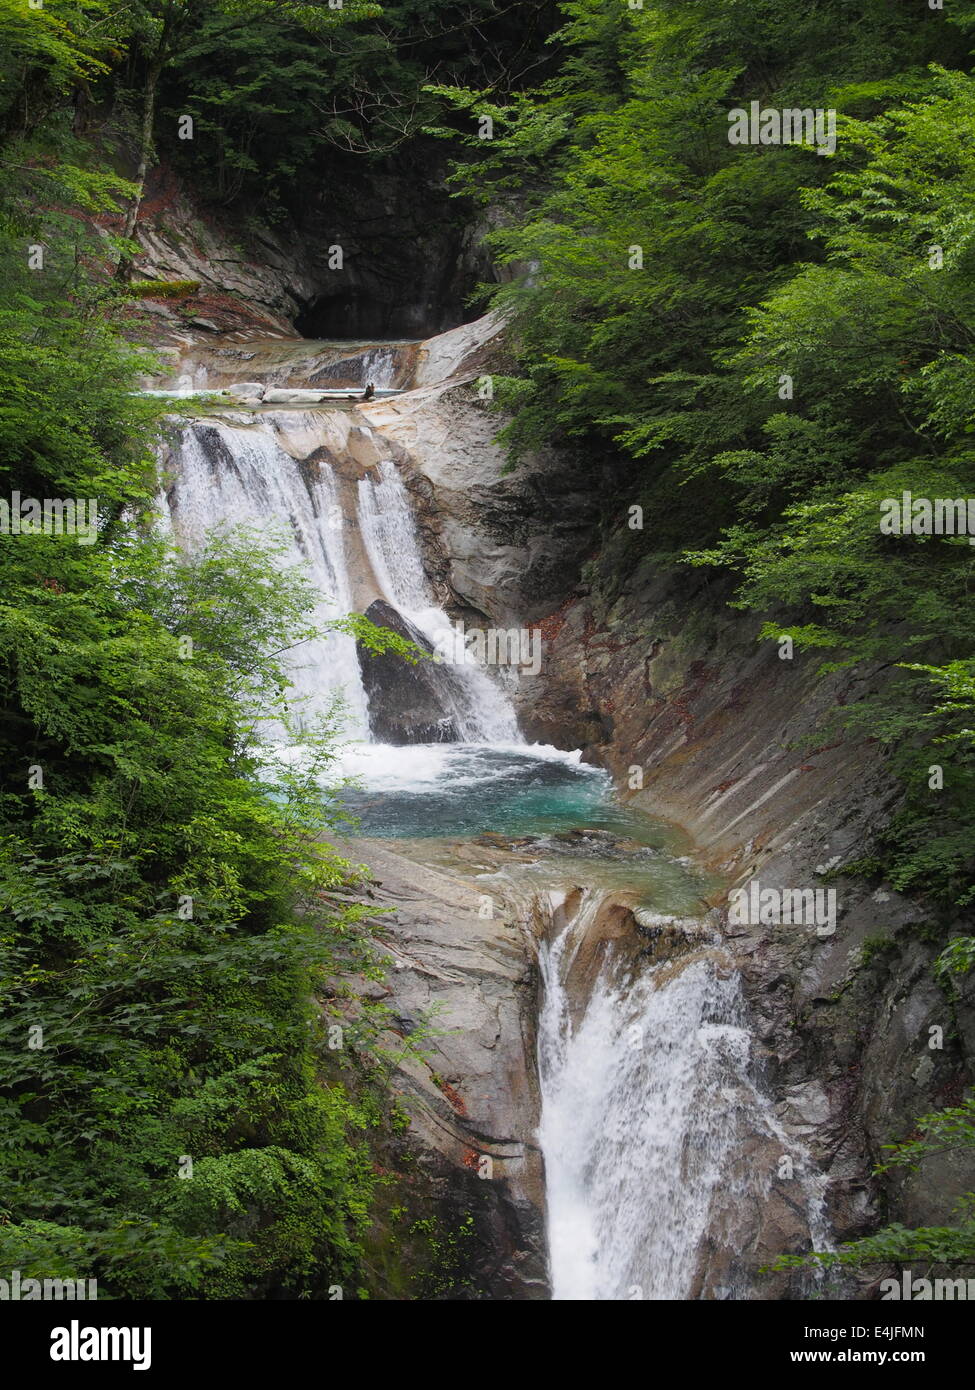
(172, 918)
(162, 32)
(763, 344)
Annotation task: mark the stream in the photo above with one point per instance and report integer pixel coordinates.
(652, 1108)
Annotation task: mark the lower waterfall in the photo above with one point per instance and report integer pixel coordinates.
(649, 1107)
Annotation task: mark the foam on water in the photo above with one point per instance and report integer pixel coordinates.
(648, 1106)
(421, 766)
(227, 476)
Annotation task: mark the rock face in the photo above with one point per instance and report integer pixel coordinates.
(406, 702)
(259, 287)
(735, 745)
(472, 1101)
(652, 670)
(411, 254)
(388, 256)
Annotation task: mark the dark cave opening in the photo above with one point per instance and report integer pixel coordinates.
(363, 314)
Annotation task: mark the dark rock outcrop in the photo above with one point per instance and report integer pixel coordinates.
(391, 256)
(409, 702)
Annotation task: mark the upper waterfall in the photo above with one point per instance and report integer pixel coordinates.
(227, 476)
(351, 526)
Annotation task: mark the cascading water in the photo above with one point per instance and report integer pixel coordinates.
(648, 1111)
(242, 477)
(479, 710)
(650, 1108)
(231, 476)
(379, 366)
(390, 538)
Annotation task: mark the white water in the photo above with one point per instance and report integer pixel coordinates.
(421, 767)
(648, 1107)
(389, 533)
(379, 367)
(480, 711)
(227, 477)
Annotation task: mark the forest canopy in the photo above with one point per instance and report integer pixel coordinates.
(772, 340)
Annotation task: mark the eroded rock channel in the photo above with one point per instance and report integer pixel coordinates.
(614, 1100)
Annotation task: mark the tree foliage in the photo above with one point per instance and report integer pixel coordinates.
(769, 342)
(170, 913)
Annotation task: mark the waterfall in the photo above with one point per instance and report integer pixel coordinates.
(379, 366)
(227, 475)
(649, 1121)
(659, 1143)
(230, 477)
(390, 537)
(478, 708)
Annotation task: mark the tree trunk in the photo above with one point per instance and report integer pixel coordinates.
(124, 268)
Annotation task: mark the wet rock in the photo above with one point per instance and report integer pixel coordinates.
(407, 701)
(473, 1095)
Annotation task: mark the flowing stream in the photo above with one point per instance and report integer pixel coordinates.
(651, 1106)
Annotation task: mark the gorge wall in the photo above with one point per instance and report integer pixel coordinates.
(379, 254)
(653, 671)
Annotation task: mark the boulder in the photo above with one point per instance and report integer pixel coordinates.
(408, 703)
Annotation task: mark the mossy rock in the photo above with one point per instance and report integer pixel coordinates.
(162, 289)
